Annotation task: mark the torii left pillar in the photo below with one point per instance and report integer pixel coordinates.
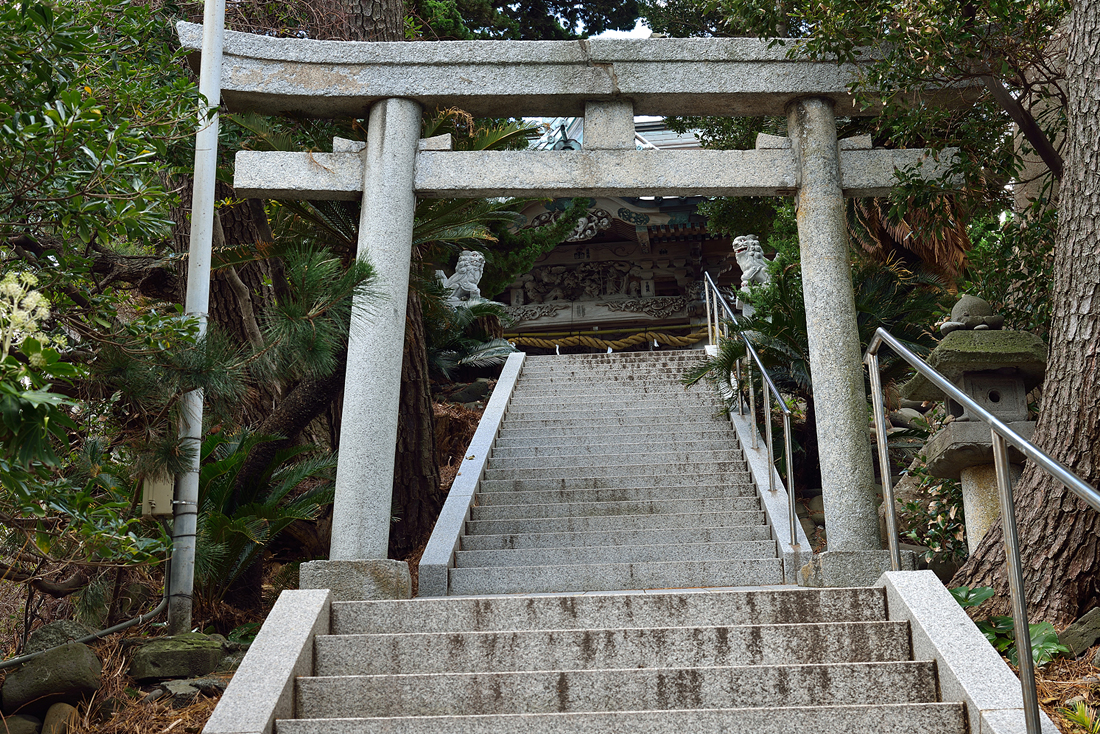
(357, 568)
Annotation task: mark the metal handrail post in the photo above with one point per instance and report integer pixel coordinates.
(1002, 435)
(752, 405)
(740, 402)
(1016, 585)
(884, 462)
(770, 392)
(766, 403)
(712, 335)
(792, 512)
(1073, 483)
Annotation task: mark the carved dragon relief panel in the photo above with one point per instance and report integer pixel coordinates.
(660, 307)
(534, 311)
(588, 226)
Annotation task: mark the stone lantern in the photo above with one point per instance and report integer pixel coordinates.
(997, 369)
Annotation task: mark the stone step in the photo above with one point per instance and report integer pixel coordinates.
(615, 522)
(616, 576)
(533, 449)
(616, 554)
(533, 393)
(576, 691)
(594, 380)
(619, 455)
(615, 482)
(614, 416)
(647, 356)
(589, 649)
(612, 360)
(532, 367)
(597, 403)
(593, 405)
(618, 494)
(663, 536)
(610, 384)
(607, 424)
(598, 381)
(687, 470)
(782, 605)
(608, 391)
(614, 508)
(556, 435)
(927, 718)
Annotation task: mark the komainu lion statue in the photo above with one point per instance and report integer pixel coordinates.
(463, 284)
(750, 258)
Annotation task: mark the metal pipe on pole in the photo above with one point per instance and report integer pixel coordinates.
(185, 506)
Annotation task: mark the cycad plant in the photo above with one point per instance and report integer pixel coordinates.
(234, 531)
(457, 336)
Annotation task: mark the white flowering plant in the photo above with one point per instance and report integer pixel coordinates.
(98, 524)
(31, 415)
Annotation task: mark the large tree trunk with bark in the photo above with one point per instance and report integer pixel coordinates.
(370, 20)
(1060, 535)
(417, 498)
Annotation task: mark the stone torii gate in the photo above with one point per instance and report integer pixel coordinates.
(607, 82)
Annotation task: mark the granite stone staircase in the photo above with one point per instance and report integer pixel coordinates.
(609, 491)
(607, 475)
(608, 478)
(766, 661)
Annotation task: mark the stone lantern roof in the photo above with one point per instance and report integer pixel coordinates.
(1009, 353)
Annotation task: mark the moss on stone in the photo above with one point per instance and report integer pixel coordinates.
(1019, 352)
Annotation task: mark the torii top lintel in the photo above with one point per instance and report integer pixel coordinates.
(693, 76)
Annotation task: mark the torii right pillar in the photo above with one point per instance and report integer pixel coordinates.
(855, 556)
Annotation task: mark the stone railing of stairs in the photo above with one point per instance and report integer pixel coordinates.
(591, 519)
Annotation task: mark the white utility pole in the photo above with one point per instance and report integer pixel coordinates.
(185, 507)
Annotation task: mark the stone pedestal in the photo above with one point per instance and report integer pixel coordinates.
(847, 480)
(981, 499)
(368, 433)
(851, 568)
(358, 580)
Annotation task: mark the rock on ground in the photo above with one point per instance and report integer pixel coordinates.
(66, 674)
(1082, 634)
(182, 656)
(55, 634)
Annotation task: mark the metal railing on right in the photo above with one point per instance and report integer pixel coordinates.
(718, 331)
(1001, 435)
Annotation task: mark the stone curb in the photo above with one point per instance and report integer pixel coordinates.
(970, 669)
(794, 555)
(262, 689)
(439, 554)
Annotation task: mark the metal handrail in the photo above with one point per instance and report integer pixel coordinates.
(717, 331)
(1001, 435)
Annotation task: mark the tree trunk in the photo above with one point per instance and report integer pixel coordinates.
(308, 399)
(367, 20)
(1059, 534)
(417, 498)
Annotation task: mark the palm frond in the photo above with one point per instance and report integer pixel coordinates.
(489, 354)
